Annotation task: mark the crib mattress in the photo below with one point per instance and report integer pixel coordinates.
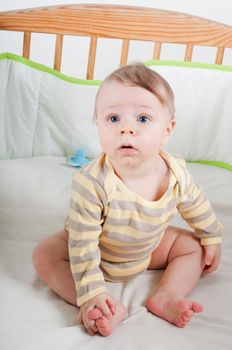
(34, 200)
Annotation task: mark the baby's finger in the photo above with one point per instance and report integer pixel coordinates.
(208, 258)
(212, 267)
(89, 324)
(103, 306)
(91, 329)
(94, 314)
(112, 305)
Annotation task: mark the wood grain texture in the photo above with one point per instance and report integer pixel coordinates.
(116, 21)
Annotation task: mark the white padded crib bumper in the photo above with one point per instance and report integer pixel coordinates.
(43, 112)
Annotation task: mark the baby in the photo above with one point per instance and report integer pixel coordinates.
(121, 208)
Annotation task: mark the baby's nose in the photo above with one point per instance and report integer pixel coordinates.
(128, 129)
(127, 132)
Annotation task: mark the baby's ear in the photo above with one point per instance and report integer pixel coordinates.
(171, 126)
(169, 130)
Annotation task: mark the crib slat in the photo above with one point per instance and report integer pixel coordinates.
(220, 55)
(124, 52)
(188, 53)
(58, 51)
(92, 57)
(26, 44)
(157, 51)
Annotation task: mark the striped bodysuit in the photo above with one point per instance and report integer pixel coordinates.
(113, 231)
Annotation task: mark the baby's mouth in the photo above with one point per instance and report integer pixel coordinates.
(127, 148)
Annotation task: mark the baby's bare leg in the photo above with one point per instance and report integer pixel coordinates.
(51, 262)
(180, 252)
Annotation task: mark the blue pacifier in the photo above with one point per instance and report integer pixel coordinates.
(79, 159)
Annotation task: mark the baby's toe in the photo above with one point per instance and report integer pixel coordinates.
(94, 314)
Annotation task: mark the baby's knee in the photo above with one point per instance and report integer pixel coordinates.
(195, 247)
(186, 243)
(196, 243)
(48, 254)
(41, 258)
(192, 241)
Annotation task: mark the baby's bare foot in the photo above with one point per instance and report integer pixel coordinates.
(106, 326)
(173, 308)
(93, 315)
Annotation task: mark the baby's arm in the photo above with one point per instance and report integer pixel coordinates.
(212, 257)
(85, 228)
(196, 209)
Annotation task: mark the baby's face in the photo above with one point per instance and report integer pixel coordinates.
(132, 123)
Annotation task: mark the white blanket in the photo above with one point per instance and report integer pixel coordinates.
(34, 200)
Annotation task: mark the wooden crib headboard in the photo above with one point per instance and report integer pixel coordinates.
(118, 22)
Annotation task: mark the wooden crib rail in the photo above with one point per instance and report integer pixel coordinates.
(118, 22)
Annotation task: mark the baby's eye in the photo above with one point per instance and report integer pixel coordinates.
(143, 119)
(114, 118)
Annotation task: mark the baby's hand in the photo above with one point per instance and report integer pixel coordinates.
(212, 257)
(98, 306)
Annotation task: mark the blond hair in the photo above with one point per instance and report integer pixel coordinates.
(138, 74)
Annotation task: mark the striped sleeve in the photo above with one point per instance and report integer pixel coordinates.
(196, 210)
(85, 219)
